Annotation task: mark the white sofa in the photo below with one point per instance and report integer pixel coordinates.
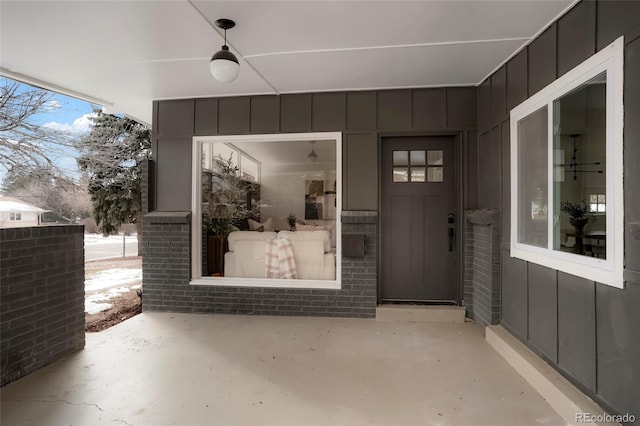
(311, 251)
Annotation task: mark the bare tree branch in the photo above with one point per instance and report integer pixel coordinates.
(23, 144)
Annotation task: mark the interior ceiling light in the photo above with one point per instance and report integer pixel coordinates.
(312, 157)
(224, 65)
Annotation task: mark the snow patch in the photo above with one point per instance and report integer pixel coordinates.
(108, 284)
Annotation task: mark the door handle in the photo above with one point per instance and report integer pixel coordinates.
(451, 238)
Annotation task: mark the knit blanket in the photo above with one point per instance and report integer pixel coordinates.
(279, 259)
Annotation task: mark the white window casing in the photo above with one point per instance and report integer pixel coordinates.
(607, 270)
(196, 208)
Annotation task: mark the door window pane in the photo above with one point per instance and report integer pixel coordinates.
(400, 158)
(417, 158)
(434, 174)
(417, 174)
(434, 157)
(532, 179)
(401, 174)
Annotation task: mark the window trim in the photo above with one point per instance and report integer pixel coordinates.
(196, 219)
(610, 270)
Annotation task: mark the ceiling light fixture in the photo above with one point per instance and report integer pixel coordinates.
(312, 157)
(224, 65)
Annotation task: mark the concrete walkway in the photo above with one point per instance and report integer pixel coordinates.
(183, 369)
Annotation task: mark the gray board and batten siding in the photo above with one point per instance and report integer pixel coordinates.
(362, 117)
(588, 331)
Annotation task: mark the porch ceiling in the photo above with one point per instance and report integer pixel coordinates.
(125, 54)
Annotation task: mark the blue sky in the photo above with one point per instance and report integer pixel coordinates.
(67, 114)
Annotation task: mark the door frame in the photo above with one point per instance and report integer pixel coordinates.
(460, 141)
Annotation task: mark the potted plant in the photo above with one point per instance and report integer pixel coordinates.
(225, 204)
(291, 220)
(579, 213)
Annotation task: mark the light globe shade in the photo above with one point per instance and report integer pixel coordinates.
(224, 66)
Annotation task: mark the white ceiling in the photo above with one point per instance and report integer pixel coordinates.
(125, 54)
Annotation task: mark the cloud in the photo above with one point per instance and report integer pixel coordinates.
(52, 105)
(79, 126)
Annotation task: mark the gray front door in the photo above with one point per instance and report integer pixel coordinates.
(418, 219)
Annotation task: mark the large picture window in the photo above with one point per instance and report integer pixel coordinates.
(566, 171)
(266, 210)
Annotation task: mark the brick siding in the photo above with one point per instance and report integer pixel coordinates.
(167, 264)
(41, 297)
(482, 266)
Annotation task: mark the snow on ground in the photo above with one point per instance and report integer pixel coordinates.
(105, 285)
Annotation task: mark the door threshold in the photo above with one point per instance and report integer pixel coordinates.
(420, 313)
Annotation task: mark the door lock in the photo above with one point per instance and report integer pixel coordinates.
(451, 219)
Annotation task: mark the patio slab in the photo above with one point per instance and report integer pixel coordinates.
(186, 369)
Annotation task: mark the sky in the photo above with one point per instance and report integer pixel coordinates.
(68, 114)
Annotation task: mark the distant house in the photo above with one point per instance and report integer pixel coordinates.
(18, 214)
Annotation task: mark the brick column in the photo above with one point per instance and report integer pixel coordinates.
(41, 297)
(482, 266)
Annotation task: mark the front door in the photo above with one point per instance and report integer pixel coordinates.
(418, 219)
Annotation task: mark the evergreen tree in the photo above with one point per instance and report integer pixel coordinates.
(111, 155)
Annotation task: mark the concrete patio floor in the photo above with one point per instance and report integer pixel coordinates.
(185, 369)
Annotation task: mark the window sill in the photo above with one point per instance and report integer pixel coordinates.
(267, 283)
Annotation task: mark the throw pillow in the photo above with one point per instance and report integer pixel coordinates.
(267, 225)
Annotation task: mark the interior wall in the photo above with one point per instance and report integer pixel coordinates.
(586, 330)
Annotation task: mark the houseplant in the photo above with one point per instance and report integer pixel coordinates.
(224, 205)
(291, 221)
(579, 213)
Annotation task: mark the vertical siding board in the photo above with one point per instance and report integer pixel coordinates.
(615, 18)
(618, 347)
(175, 118)
(265, 114)
(462, 104)
(516, 80)
(233, 115)
(543, 315)
(514, 294)
(472, 180)
(394, 109)
(428, 109)
(361, 111)
(632, 155)
(485, 171)
(542, 60)
(496, 167)
(361, 170)
(576, 36)
(506, 181)
(206, 117)
(295, 113)
(484, 106)
(174, 176)
(329, 111)
(577, 329)
(498, 96)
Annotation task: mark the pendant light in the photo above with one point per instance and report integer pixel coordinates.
(224, 65)
(312, 157)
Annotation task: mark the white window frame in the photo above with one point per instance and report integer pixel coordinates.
(15, 216)
(196, 210)
(610, 270)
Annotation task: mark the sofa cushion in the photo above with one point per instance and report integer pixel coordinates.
(320, 235)
(248, 235)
